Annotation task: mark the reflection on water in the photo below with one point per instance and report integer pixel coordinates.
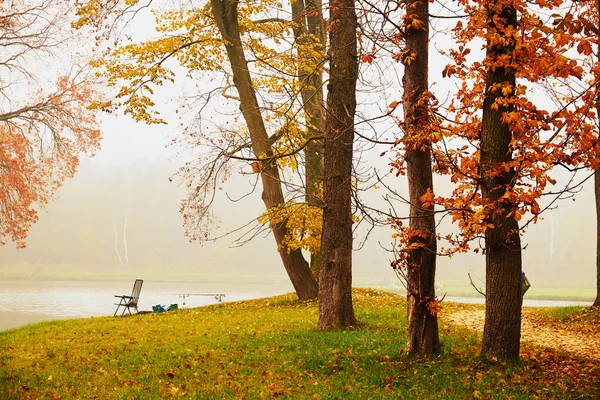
(90, 298)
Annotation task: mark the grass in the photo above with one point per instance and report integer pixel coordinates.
(270, 348)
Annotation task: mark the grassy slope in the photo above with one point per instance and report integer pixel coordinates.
(269, 348)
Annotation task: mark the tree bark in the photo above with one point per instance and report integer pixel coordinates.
(423, 337)
(597, 198)
(335, 284)
(597, 191)
(311, 93)
(226, 18)
(502, 329)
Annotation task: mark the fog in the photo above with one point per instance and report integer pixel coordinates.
(119, 218)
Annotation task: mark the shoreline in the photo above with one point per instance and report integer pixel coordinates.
(451, 291)
(14, 319)
(18, 319)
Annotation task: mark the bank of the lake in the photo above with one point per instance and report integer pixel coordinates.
(12, 319)
(271, 348)
(28, 301)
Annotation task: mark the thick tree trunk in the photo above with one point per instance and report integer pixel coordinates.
(335, 284)
(311, 92)
(502, 329)
(225, 13)
(597, 190)
(423, 334)
(597, 198)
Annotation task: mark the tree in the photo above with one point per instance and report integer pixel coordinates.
(406, 43)
(44, 126)
(421, 246)
(597, 174)
(596, 302)
(514, 143)
(227, 32)
(335, 282)
(309, 33)
(502, 329)
(226, 18)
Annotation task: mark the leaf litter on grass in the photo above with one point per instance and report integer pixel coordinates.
(580, 339)
(271, 348)
(558, 351)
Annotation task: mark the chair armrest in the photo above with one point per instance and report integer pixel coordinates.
(124, 296)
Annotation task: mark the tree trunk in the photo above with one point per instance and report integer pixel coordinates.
(226, 18)
(597, 198)
(423, 337)
(335, 284)
(597, 188)
(502, 329)
(311, 92)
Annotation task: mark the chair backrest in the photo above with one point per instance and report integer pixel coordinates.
(135, 293)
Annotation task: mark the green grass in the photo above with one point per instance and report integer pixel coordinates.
(269, 348)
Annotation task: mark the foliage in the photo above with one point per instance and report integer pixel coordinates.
(189, 46)
(572, 329)
(551, 58)
(303, 222)
(44, 125)
(270, 348)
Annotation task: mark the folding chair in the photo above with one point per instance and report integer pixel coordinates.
(129, 302)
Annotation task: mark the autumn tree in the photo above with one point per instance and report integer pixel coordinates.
(397, 38)
(501, 158)
(272, 84)
(422, 242)
(226, 18)
(44, 122)
(502, 330)
(335, 283)
(596, 302)
(310, 38)
(597, 171)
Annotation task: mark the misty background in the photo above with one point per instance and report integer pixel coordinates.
(119, 219)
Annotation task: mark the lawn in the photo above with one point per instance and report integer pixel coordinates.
(270, 348)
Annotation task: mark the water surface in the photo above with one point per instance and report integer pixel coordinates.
(29, 301)
(23, 302)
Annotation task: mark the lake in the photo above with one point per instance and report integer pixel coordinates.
(23, 302)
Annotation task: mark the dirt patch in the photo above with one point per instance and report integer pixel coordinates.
(534, 331)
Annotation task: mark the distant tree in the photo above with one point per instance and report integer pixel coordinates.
(310, 39)
(335, 279)
(44, 126)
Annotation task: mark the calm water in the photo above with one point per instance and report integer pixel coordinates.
(23, 302)
(85, 299)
